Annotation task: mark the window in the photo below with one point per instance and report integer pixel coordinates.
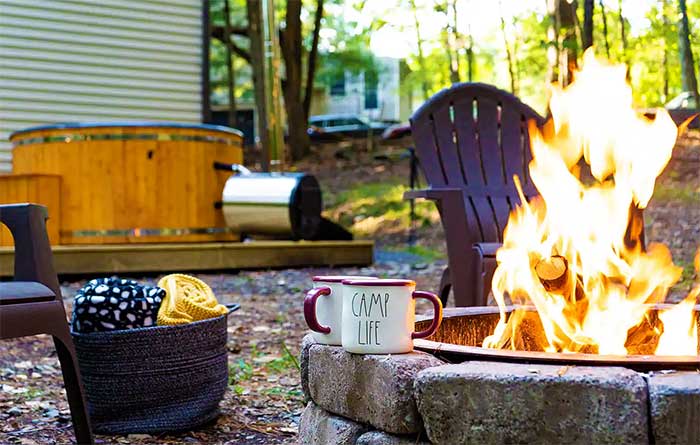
(371, 85)
(338, 85)
(354, 121)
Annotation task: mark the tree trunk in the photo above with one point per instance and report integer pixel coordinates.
(311, 70)
(688, 79)
(453, 42)
(605, 28)
(554, 49)
(231, 78)
(587, 37)
(470, 55)
(256, 62)
(290, 43)
(421, 57)
(623, 36)
(454, 76)
(563, 36)
(516, 51)
(569, 23)
(509, 56)
(664, 17)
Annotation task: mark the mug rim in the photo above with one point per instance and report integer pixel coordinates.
(339, 278)
(379, 282)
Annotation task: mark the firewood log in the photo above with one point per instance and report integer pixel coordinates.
(553, 273)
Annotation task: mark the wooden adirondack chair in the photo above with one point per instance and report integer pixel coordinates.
(32, 303)
(470, 140)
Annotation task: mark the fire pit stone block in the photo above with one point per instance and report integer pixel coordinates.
(381, 438)
(675, 407)
(306, 344)
(319, 427)
(482, 402)
(373, 389)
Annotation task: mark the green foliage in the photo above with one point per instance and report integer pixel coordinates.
(676, 193)
(281, 365)
(32, 393)
(688, 277)
(531, 57)
(344, 46)
(367, 205)
(648, 75)
(287, 393)
(239, 372)
(345, 42)
(426, 253)
(217, 57)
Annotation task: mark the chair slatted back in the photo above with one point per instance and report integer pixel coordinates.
(474, 137)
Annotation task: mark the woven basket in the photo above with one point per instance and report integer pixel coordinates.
(156, 379)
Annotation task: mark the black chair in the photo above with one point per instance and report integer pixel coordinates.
(32, 303)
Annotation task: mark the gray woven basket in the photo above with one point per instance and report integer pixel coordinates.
(156, 379)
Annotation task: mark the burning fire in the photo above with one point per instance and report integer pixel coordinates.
(576, 252)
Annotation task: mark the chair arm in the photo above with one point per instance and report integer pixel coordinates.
(487, 249)
(33, 257)
(433, 194)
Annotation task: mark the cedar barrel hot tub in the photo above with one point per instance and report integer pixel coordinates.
(132, 182)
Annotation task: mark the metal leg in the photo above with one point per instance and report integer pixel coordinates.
(445, 286)
(413, 182)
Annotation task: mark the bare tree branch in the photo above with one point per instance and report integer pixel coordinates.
(240, 52)
(218, 32)
(311, 70)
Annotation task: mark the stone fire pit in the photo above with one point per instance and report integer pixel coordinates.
(420, 398)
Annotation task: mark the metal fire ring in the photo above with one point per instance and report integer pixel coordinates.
(471, 323)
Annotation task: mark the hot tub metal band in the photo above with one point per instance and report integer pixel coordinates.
(67, 138)
(137, 232)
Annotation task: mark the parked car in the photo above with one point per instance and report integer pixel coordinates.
(682, 107)
(396, 131)
(679, 108)
(335, 127)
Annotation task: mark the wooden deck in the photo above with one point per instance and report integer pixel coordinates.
(172, 257)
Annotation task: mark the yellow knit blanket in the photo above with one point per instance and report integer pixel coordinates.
(187, 299)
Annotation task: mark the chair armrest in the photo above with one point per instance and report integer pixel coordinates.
(17, 218)
(33, 257)
(487, 249)
(433, 194)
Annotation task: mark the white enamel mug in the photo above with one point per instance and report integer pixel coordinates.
(379, 316)
(323, 307)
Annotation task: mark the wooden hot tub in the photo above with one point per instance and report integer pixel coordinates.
(132, 182)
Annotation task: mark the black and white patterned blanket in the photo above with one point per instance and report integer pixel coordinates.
(109, 304)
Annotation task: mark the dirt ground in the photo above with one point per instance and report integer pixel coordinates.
(264, 403)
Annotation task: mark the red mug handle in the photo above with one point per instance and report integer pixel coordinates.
(310, 309)
(437, 315)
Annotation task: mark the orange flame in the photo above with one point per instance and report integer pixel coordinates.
(593, 220)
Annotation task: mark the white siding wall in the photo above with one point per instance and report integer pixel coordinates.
(353, 102)
(97, 60)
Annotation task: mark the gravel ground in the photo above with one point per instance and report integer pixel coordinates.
(265, 401)
(673, 215)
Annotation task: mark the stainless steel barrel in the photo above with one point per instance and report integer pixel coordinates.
(277, 204)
